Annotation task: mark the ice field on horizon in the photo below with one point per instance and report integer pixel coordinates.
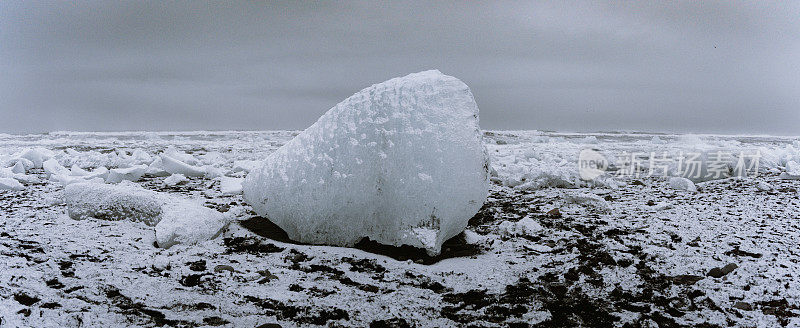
(546, 158)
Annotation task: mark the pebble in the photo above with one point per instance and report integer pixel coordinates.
(223, 267)
(743, 306)
(720, 272)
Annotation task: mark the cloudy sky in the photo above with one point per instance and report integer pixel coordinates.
(700, 66)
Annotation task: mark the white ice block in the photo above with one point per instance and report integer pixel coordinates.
(176, 220)
(400, 162)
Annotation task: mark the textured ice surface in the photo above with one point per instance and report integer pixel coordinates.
(133, 173)
(680, 183)
(186, 222)
(175, 179)
(525, 226)
(176, 166)
(176, 220)
(589, 199)
(113, 202)
(64, 179)
(51, 167)
(245, 166)
(793, 168)
(10, 184)
(156, 168)
(174, 153)
(37, 156)
(76, 170)
(764, 186)
(230, 186)
(788, 176)
(400, 162)
(100, 172)
(212, 172)
(19, 167)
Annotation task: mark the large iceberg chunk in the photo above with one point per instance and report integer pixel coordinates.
(401, 162)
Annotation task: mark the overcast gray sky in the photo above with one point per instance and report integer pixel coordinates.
(700, 66)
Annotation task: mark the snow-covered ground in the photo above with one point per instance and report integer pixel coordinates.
(547, 249)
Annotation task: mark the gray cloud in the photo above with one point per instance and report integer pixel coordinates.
(729, 67)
